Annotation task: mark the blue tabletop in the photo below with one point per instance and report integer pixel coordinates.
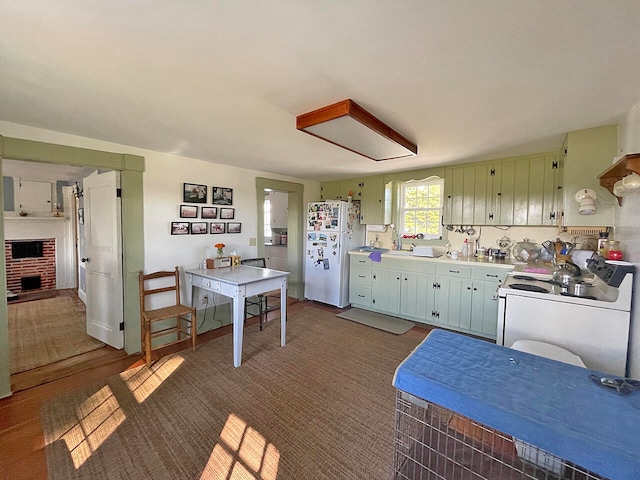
(552, 405)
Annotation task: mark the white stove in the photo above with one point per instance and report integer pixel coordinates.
(596, 328)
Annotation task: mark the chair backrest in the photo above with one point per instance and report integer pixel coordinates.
(254, 262)
(150, 277)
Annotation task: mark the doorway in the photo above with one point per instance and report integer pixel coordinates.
(295, 212)
(131, 169)
(48, 335)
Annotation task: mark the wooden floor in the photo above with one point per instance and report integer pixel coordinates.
(21, 438)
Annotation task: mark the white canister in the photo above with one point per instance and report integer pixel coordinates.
(481, 253)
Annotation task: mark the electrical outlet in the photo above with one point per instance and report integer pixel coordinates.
(205, 299)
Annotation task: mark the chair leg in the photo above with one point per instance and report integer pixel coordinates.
(262, 312)
(194, 328)
(147, 343)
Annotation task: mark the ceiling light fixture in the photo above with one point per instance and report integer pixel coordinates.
(348, 125)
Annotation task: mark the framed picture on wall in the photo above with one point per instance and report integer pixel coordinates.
(188, 211)
(198, 228)
(209, 212)
(179, 228)
(227, 213)
(222, 196)
(194, 193)
(234, 227)
(216, 227)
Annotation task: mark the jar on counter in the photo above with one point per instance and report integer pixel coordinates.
(602, 243)
(613, 250)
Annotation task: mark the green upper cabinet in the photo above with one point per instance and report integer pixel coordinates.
(375, 207)
(514, 191)
(586, 154)
(340, 189)
(467, 191)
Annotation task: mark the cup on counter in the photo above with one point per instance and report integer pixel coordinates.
(453, 255)
(481, 253)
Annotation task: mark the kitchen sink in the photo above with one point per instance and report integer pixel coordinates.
(367, 248)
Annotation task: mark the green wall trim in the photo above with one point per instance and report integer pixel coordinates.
(29, 150)
(131, 168)
(295, 229)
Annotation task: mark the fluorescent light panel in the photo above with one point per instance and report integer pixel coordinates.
(349, 126)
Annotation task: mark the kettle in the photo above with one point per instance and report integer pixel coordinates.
(567, 273)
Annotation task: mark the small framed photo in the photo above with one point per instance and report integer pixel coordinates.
(81, 216)
(222, 196)
(234, 227)
(209, 212)
(194, 193)
(179, 228)
(227, 213)
(216, 227)
(188, 211)
(198, 228)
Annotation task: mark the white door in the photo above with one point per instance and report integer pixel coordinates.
(103, 258)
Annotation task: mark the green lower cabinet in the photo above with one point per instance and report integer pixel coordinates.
(414, 296)
(385, 291)
(484, 307)
(459, 297)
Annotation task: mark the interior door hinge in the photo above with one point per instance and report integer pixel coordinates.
(121, 326)
(119, 192)
(554, 164)
(493, 172)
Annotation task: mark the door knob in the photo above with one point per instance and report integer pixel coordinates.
(83, 260)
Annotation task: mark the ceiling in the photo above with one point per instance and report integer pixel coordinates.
(224, 81)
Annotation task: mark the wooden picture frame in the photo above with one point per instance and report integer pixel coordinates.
(189, 211)
(209, 212)
(227, 213)
(198, 228)
(194, 193)
(180, 228)
(217, 227)
(222, 196)
(234, 227)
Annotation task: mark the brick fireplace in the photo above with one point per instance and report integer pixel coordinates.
(31, 264)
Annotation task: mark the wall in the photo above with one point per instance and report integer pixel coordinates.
(162, 190)
(627, 229)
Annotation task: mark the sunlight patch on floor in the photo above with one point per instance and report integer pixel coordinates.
(242, 453)
(98, 417)
(146, 380)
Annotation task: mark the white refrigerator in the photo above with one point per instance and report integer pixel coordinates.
(333, 228)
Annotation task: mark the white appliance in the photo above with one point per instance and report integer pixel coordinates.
(596, 328)
(333, 228)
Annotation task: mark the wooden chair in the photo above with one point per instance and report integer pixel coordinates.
(183, 327)
(264, 302)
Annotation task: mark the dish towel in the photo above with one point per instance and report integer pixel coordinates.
(375, 256)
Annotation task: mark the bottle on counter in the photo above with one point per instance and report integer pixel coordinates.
(602, 243)
(465, 248)
(613, 250)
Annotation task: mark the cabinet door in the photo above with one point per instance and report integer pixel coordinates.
(374, 206)
(482, 194)
(349, 186)
(385, 291)
(360, 296)
(455, 296)
(438, 295)
(454, 195)
(35, 196)
(484, 302)
(330, 191)
(413, 295)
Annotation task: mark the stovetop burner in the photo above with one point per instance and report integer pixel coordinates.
(529, 288)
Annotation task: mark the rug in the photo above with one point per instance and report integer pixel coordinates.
(322, 407)
(377, 320)
(46, 331)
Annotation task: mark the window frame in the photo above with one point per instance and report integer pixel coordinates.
(401, 209)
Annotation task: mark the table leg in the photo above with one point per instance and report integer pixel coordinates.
(283, 311)
(238, 326)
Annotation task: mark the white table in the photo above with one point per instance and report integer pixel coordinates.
(238, 283)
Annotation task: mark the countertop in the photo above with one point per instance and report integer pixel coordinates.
(406, 255)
